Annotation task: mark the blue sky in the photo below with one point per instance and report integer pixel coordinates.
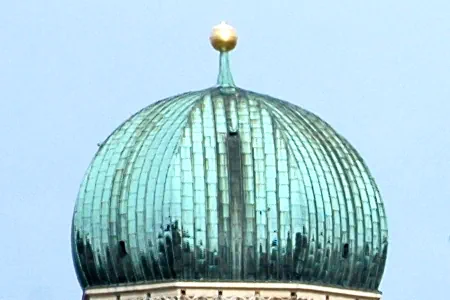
(72, 71)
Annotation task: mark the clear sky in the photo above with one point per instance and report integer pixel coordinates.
(72, 71)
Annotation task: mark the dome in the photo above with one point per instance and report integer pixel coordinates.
(226, 184)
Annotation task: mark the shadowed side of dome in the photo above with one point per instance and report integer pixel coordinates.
(215, 186)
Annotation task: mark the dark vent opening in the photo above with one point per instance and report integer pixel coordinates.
(183, 292)
(220, 293)
(122, 249)
(232, 133)
(345, 251)
(293, 294)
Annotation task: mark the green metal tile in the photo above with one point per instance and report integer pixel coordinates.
(227, 184)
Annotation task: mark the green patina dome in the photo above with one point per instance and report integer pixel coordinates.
(226, 184)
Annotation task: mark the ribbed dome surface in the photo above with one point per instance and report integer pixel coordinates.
(235, 186)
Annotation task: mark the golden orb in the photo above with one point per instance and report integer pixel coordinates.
(223, 37)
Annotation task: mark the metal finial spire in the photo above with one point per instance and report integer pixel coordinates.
(224, 39)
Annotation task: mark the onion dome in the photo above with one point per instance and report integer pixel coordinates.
(226, 184)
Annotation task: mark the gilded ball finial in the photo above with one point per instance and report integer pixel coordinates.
(223, 37)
